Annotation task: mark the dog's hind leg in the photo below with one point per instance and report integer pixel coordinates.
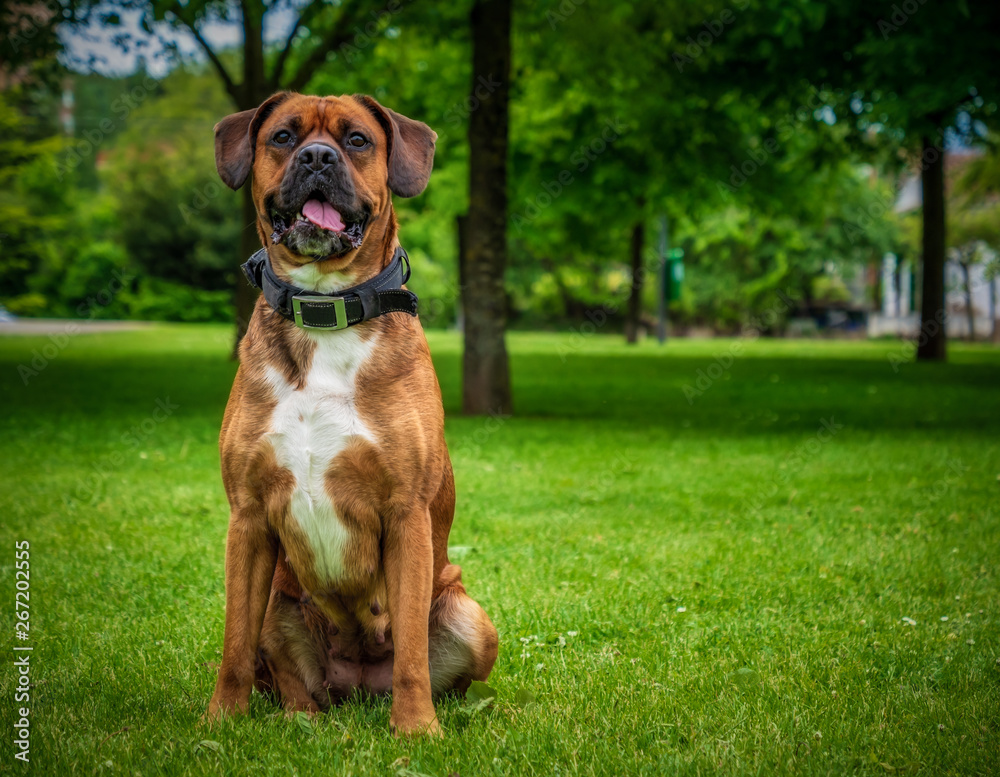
(289, 652)
(463, 640)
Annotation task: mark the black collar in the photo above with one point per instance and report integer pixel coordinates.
(312, 310)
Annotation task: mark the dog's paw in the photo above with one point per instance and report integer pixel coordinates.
(219, 708)
(210, 717)
(416, 726)
(310, 711)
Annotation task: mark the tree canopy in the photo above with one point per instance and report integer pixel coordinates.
(771, 135)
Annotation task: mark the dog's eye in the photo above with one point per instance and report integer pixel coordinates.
(281, 138)
(358, 140)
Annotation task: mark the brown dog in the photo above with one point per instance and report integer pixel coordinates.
(333, 451)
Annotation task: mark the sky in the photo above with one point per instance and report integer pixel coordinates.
(93, 49)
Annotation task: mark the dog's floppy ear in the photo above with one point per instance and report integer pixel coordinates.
(236, 139)
(411, 148)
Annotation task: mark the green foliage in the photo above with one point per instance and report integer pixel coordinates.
(862, 56)
(29, 305)
(156, 299)
(128, 220)
(974, 203)
(611, 126)
(177, 220)
(34, 203)
(419, 74)
(31, 40)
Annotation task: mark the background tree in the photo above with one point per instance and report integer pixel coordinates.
(974, 228)
(483, 259)
(617, 115)
(908, 74)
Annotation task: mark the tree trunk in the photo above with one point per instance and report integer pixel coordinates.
(251, 93)
(246, 295)
(255, 86)
(485, 372)
(932, 345)
(635, 296)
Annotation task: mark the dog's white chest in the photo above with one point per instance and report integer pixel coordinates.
(309, 427)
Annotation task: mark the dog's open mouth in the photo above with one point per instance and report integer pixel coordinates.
(318, 229)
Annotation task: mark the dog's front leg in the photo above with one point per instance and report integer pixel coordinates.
(409, 572)
(251, 554)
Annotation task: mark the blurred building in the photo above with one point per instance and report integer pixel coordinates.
(897, 311)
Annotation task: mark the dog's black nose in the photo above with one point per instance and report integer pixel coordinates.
(317, 156)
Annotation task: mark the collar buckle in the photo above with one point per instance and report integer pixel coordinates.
(337, 303)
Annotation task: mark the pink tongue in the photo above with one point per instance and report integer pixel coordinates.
(323, 214)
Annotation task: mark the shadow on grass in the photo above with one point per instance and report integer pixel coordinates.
(772, 387)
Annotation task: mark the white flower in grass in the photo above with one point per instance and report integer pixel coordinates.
(909, 621)
(572, 633)
(539, 667)
(682, 609)
(944, 617)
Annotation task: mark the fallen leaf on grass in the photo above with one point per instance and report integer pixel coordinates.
(480, 692)
(305, 723)
(207, 745)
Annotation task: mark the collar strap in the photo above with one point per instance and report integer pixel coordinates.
(312, 310)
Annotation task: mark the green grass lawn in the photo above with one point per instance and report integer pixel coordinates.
(794, 572)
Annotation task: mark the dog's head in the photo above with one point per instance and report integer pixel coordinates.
(324, 170)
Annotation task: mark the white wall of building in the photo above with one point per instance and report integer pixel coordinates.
(899, 314)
